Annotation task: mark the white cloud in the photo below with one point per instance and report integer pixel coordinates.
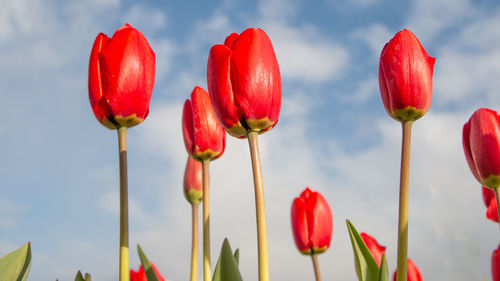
(376, 36)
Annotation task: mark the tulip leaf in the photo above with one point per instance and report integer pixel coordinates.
(383, 274)
(227, 265)
(366, 267)
(15, 266)
(237, 256)
(150, 273)
(79, 276)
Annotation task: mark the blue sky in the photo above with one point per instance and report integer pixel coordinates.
(59, 172)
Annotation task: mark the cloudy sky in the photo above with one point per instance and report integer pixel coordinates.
(59, 168)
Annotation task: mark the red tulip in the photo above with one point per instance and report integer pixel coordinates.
(204, 137)
(312, 222)
(481, 142)
(140, 275)
(193, 186)
(244, 83)
(413, 273)
(121, 78)
(377, 250)
(491, 203)
(405, 77)
(495, 264)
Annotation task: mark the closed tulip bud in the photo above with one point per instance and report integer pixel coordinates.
(413, 273)
(405, 77)
(312, 222)
(491, 203)
(481, 142)
(377, 250)
(244, 83)
(121, 78)
(495, 264)
(204, 137)
(140, 275)
(193, 177)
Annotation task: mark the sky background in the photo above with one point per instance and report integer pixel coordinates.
(59, 166)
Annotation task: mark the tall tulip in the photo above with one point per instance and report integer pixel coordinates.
(121, 79)
(375, 248)
(495, 264)
(312, 225)
(405, 79)
(413, 273)
(193, 191)
(205, 140)
(491, 204)
(481, 142)
(244, 82)
(140, 275)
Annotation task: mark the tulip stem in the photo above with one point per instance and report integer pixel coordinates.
(316, 267)
(194, 245)
(207, 275)
(124, 255)
(403, 202)
(497, 190)
(260, 207)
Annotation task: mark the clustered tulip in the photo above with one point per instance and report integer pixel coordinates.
(405, 77)
(244, 83)
(491, 203)
(193, 185)
(312, 222)
(204, 137)
(413, 273)
(121, 78)
(140, 275)
(375, 248)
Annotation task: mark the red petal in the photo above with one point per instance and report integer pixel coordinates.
(488, 195)
(300, 225)
(495, 264)
(99, 105)
(376, 249)
(320, 220)
(193, 175)
(188, 127)
(413, 273)
(467, 150)
(492, 212)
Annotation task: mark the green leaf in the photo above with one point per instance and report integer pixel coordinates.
(87, 277)
(366, 267)
(383, 274)
(237, 256)
(15, 266)
(79, 276)
(150, 273)
(227, 265)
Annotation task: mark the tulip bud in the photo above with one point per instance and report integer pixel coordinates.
(481, 142)
(413, 273)
(244, 83)
(377, 250)
(193, 185)
(312, 222)
(121, 78)
(405, 77)
(495, 264)
(204, 137)
(491, 203)
(140, 275)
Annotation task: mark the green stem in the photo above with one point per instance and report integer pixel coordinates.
(496, 190)
(259, 207)
(194, 246)
(124, 252)
(207, 275)
(316, 267)
(403, 202)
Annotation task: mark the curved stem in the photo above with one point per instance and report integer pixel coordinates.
(259, 207)
(194, 245)
(403, 202)
(207, 275)
(124, 255)
(316, 267)
(496, 190)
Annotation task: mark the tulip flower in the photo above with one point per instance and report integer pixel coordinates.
(495, 264)
(413, 272)
(121, 78)
(376, 249)
(405, 79)
(244, 83)
(193, 192)
(491, 203)
(312, 225)
(140, 275)
(205, 140)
